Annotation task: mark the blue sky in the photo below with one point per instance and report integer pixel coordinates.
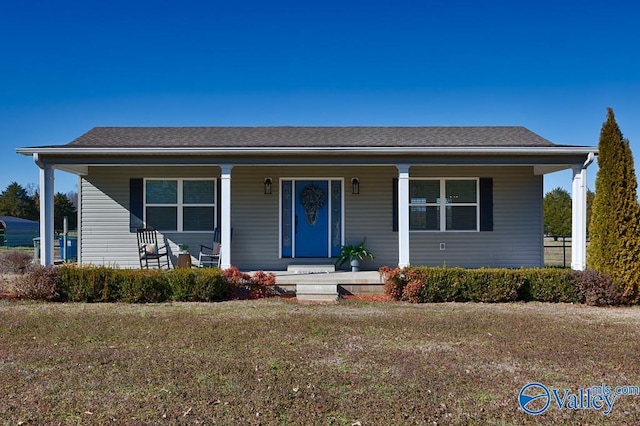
(553, 67)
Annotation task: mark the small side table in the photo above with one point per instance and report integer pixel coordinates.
(184, 260)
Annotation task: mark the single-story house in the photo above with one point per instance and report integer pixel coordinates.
(455, 196)
(17, 232)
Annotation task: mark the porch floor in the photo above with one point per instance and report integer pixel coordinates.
(364, 282)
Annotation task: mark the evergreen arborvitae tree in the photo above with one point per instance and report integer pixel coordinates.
(615, 223)
(590, 196)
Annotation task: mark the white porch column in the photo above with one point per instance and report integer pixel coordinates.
(403, 215)
(225, 213)
(46, 212)
(579, 219)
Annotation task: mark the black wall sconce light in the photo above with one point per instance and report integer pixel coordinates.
(267, 185)
(355, 186)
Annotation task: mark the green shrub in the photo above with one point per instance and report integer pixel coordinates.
(40, 283)
(90, 283)
(551, 285)
(104, 284)
(201, 285)
(427, 284)
(182, 282)
(440, 284)
(491, 285)
(145, 286)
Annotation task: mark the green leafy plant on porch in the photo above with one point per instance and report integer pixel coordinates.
(351, 252)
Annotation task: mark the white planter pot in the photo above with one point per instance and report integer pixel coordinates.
(355, 265)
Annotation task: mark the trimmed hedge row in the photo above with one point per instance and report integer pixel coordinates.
(429, 284)
(70, 283)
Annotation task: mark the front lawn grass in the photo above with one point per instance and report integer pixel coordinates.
(276, 362)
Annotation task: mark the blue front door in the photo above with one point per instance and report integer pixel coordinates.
(312, 218)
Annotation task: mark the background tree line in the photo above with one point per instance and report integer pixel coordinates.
(557, 212)
(18, 201)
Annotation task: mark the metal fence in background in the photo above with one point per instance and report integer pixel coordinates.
(557, 251)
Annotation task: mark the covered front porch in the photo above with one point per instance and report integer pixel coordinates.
(255, 217)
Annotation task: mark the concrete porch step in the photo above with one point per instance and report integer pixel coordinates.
(311, 269)
(324, 292)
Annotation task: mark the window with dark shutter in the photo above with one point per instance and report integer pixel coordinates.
(174, 204)
(486, 204)
(394, 207)
(136, 204)
(455, 196)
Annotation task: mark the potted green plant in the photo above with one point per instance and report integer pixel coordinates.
(353, 254)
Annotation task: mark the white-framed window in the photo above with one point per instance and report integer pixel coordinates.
(458, 198)
(181, 205)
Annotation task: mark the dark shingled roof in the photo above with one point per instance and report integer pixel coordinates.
(308, 137)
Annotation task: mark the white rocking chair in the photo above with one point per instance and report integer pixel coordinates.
(210, 256)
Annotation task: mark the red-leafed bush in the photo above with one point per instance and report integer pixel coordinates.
(246, 286)
(412, 291)
(394, 281)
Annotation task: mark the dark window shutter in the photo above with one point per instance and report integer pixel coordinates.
(218, 202)
(394, 207)
(486, 204)
(136, 204)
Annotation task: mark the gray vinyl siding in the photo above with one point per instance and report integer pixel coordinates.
(516, 240)
(104, 232)
(104, 227)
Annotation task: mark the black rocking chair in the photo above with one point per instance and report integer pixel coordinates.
(149, 250)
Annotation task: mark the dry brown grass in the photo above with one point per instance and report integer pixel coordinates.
(7, 283)
(276, 362)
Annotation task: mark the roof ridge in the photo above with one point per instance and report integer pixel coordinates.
(308, 137)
